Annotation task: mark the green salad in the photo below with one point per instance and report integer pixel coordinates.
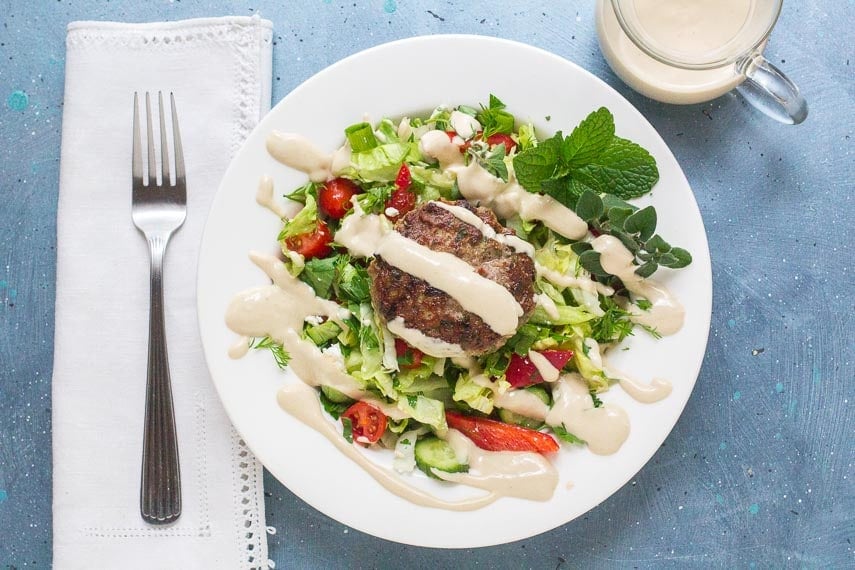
(582, 308)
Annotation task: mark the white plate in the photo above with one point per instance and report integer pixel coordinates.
(409, 77)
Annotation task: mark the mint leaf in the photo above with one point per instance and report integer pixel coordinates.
(623, 169)
(564, 189)
(589, 139)
(537, 164)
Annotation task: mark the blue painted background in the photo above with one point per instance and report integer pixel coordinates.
(757, 473)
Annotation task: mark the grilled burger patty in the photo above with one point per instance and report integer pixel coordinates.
(396, 293)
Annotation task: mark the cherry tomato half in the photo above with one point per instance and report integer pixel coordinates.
(499, 138)
(522, 372)
(408, 356)
(404, 179)
(312, 244)
(401, 200)
(334, 197)
(367, 422)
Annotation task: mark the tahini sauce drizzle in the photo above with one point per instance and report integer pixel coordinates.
(427, 344)
(300, 153)
(604, 429)
(509, 473)
(365, 234)
(264, 197)
(667, 314)
(302, 402)
(546, 369)
(506, 199)
(279, 309)
(519, 245)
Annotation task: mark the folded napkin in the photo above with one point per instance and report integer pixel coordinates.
(220, 72)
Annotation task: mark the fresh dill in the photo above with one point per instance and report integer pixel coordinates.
(280, 355)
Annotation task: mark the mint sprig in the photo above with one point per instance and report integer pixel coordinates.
(494, 119)
(590, 158)
(635, 228)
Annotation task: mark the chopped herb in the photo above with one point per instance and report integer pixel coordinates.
(597, 402)
(347, 429)
(280, 355)
(564, 435)
(494, 119)
(335, 409)
(643, 304)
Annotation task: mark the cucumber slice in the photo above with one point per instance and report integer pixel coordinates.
(432, 452)
(514, 418)
(335, 396)
(510, 417)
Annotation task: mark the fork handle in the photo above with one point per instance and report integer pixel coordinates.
(160, 490)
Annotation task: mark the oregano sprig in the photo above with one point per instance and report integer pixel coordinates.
(634, 227)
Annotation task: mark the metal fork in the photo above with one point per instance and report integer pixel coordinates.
(158, 210)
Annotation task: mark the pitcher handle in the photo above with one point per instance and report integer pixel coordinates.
(769, 90)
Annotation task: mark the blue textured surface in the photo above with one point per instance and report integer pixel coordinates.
(758, 471)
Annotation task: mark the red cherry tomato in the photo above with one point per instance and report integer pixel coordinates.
(408, 356)
(493, 435)
(404, 180)
(521, 372)
(334, 197)
(499, 138)
(401, 200)
(312, 244)
(367, 422)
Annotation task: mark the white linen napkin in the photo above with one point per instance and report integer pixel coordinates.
(220, 72)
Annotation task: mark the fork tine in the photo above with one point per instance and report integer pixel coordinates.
(152, 174)
(164, 149)
(136, 167)
(179, 150)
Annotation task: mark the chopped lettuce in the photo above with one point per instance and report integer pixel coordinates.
(305, 221)
(424, 410)
(381, 163)
(473, 395)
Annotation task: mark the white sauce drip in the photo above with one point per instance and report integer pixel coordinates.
(239, 348)
(517, 244)
(298, 152)
(264, 197)
(545, 301)
(546, 369)
(427, 344)
(666, 314)
(522, 402)
(509, 473)
(505, 198)
(584, 283)
(657, 389)
(604, 429)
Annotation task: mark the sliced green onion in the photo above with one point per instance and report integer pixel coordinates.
(361, 137)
